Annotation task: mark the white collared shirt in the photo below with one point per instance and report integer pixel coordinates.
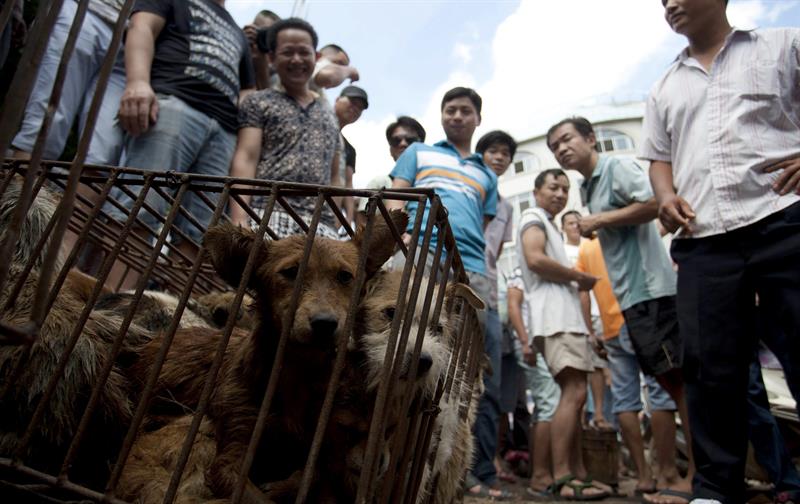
(721, 128)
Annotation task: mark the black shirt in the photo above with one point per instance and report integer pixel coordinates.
(201, 56)
(349, 155)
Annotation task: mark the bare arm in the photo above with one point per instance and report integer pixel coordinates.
(333, 75)
(533, 243)
(243, 165)
(631, 215)
(397, 183)
(586, 310)
(244, 93)
(515, 299)
(673, 211)
(139, 107)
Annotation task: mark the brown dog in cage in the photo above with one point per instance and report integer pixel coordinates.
(319, 315)
(25, 371)
(342, 453)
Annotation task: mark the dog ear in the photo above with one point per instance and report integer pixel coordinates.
(382, 243)
(228, 247)
(464, 291)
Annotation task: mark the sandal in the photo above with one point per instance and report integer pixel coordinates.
(668, 492)
(538, 495)
(578, 487)
(484, 491)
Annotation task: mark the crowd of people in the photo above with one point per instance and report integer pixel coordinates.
(597, 299)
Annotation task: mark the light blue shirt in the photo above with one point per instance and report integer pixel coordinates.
(467, 188)
(638, 264)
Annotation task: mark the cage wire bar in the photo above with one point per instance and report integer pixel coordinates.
(414, 433)
(89, 200)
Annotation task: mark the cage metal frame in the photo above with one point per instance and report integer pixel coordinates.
(87, 217)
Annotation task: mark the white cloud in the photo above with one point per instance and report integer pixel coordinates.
(548, 59)
(462, 52)
(747, 14)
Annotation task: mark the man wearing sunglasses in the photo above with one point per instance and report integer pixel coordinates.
(402, 133)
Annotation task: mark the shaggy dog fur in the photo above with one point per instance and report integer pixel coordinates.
(65, 408)
(247, 362)
(155, 310)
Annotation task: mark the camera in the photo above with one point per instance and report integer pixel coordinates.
(262, 40)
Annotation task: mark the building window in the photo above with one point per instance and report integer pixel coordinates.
(612, 140)
(525, 162)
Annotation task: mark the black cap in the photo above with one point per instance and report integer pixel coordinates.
(355, 92)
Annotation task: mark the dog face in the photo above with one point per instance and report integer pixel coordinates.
(328, 281)
(376, 313)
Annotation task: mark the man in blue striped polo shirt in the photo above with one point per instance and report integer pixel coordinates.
(468, 189)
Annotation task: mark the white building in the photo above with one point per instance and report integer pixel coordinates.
(618, 129)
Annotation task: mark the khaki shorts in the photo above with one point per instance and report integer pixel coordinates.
(565, 350)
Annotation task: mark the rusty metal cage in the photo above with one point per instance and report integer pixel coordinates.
(56, 215)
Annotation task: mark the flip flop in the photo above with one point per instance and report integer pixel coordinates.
(571, 482)
(538, 495)
(668, 492)
(484, 491)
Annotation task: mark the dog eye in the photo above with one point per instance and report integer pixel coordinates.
(389, 312)
(344, 277)
(438, 329)
(290, 273)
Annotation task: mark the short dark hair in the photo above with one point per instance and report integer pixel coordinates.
(570, 212)
(336, 48)
(268, 14)
(496, 137)
(406, 122)
(463, 92)
(555, 172)
(581, 125)
(286, 24)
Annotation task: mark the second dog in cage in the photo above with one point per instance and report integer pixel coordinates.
(319, 315)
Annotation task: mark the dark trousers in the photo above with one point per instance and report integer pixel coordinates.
(765, 435)
(487, 424)
(718, 279)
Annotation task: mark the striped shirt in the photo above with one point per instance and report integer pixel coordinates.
(721, 128)
(467, 188)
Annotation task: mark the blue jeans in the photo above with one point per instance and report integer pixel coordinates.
(768, 443)
(78, 91)
(486, 427)
(184, 140)
(625, 374)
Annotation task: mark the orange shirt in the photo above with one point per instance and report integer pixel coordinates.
(590, 260)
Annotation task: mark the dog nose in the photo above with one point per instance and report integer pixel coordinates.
(425, 363)
(323, 324)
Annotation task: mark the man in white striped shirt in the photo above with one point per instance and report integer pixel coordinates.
(722, 129)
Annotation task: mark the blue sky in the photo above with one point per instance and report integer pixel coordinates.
(532, 61)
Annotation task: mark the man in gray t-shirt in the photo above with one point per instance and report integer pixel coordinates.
(623, 209)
